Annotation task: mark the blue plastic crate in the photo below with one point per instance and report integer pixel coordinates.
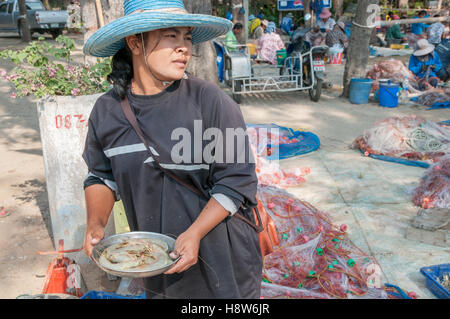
(109, 295)
(433, 272)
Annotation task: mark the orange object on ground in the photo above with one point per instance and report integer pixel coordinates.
(268, 237)
(60, 277)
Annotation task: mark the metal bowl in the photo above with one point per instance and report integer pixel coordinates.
(117, 239)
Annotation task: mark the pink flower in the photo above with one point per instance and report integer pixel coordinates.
(25, 91)
(3, 73)
(75, 91)
(51, 72)
(13, 95)
(70, 69)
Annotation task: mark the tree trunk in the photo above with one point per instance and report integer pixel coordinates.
(358, 50)
(203, 63)
(23, 25)
(338, 6)
(307, 9)
(403, 4)
(46, 4)
(112, 9)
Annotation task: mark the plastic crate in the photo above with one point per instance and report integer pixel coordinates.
(109, 295)
(433, 285)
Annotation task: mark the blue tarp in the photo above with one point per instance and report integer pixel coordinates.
(308, 142)
(437, 105)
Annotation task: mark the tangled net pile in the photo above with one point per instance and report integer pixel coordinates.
(434, 188)
(435, 97)
(270, 172)
(313, 259)
(410, 137)
(395, 70)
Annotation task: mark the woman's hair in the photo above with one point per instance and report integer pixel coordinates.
(122, 68)
(122, 71)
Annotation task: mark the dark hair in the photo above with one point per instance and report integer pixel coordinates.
(390, 13)
(122, 71)
(423, 12)
(238, 25)
(437, 15)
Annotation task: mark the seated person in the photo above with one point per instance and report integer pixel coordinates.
(315, 37)
(270, 43)
(435, 32)
(418, 28)
(258, 32)
(394, 35)
(425, 63)
(287, 23)
(392, 16)
(326, 24)
(337, 36)
(231, 43)
(443, 50)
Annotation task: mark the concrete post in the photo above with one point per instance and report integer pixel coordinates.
(63, 124)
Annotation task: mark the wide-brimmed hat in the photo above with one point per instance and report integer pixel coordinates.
(148, 15)
(423, 47)
(325, 13)
(265, 23)
(341, 25)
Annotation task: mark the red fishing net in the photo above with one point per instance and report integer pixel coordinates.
(314, 258)
(434, 188)
(395, 70)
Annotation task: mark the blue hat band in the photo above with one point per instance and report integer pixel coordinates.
(130, 6)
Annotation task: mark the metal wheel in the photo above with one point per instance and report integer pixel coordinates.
(238, 88)
(316, 91)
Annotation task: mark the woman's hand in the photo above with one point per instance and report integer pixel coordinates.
(186, 246)
(94, 234)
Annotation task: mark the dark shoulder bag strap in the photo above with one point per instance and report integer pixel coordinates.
(131, 117)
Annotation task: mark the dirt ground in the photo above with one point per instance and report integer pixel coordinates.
(331, 185)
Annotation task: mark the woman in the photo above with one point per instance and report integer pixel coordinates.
(219, 252)
(270, 43)
(325, 22)
(425, 64)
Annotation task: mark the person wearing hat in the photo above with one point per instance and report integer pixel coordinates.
(337, 36)
(270, 43)
(425, 63)
(167, 184)
(325, 22)
(259, 31)
(287, 23)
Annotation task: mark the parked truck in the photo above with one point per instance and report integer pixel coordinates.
(39, 19)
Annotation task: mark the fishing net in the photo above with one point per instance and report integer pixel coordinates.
(277, 142)
(435, 98)
(411, 138)
(271, 142)
(434, 188)
(313, 258)
(395, 70)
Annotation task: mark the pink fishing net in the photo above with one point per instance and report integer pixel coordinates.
(270, 172)
(395, 70)
(434, 188)
(410, 137)
(314, 258)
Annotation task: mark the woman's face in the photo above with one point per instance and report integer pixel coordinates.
(168, 52)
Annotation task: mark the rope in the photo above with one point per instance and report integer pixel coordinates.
(421, 141)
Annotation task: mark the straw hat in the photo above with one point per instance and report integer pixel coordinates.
(423, 47)
(143, 16)
(265, 23)
(325, 13)
(341, 25)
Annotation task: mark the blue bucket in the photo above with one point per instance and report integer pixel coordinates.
(360, 90)
(389, 94)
